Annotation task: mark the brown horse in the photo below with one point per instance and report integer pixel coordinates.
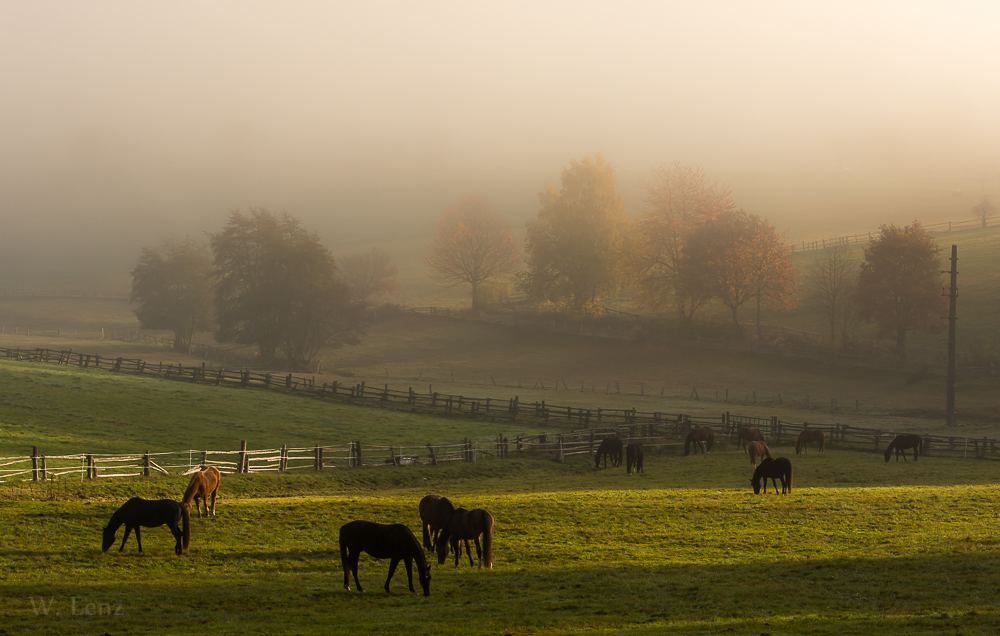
(810, 435)
(467, 525)
(758, 450)
(745, 435)
(904, 442)
(394, 542)
(773, 469)
(434, 512)
(611, 447)
(704, 437)
(633, 457)
(205, 482)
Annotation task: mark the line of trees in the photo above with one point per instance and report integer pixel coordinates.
(263, 281)
(691, 245)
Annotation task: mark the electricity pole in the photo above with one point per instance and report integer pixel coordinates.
(950, 417)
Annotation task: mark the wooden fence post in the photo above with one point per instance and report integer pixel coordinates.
(430, 450)
(241, 467)
(90, 467)
(318, 464)
(283, 459)
(204, 458)
(562, 458)
(45, 474)
(34, 463)
(145, 464)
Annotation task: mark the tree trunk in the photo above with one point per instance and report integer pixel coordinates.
(759, 336)
(475, 295)
(736, 321)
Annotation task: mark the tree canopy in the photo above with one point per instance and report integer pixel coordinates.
(172, 285)
(277, 288)
(679, 199)
(369, 275)
(472, 245)
(984, 210)
(575, 248)
(899, 283)
(832, 281)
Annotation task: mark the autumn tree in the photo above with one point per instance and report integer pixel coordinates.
(368, 275)
(737, 258)
(172, 286)
(678, 200)
(277, 288)
(575, 248)
(472, 245)
(984, 210)
(831, 280)
(899, 283)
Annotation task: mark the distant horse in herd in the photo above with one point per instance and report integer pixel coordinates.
(434, 512)
(395, 542)
(142, 513)
(773, 469)
(903, 442)
(806, 437)
(633, 457)
(467, 525)
(203, 483)
(704, 437)
(745, 435)
(611, 447)
(758, 450)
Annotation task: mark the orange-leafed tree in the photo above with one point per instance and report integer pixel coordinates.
(738, 258)
(899, 283)
(576, 247)
(472, 245)
(678, 200)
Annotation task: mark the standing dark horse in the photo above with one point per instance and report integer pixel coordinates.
(394, 542)
(704, 437)
(434, 512)
(773, 469)
(633, 457)
(205, 482)
(468, 525)
(138, 512)
(810, 435)
(758, 450)
(904, 442)
(745, 434)
(611, 447)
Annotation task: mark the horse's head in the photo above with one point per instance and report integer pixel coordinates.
(888, 452)
(108, 538)
(425, 581)
(756, 486)
(442, 546)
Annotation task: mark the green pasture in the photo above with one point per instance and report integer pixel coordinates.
(860, 546)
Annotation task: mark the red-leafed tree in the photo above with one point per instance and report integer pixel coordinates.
(678, 199)
(472, 245)
(899, 284)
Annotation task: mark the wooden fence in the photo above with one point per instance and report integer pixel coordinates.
(866, 237)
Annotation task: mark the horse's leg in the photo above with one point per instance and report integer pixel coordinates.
(138, 537)
(392, 570)
(177, 535)
(468, 550)
(352, 560)
(409, 572)
(214, 495)
(128, 529)
(479, 554)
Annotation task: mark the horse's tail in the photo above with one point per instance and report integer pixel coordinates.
(186, 525)
(488, 542)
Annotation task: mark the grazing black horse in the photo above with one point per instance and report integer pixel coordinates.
(138, 512)
(633, 457)
(394, 542)
(773, 469)
(610, 447)
(903, 442)
(467, 525)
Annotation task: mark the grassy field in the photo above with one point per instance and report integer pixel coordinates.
(859, 547)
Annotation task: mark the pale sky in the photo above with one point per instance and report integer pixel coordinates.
(121, 122)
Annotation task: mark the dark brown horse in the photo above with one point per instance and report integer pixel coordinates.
(703, 437)
(394, 542)
(434, 512)
(745, 435)
(611, 447)
(904, 442)
(203, 483)
(807, 436)
(633, 457)
(758, 450)
(138, 512)
(467, 525)
(773, 469)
